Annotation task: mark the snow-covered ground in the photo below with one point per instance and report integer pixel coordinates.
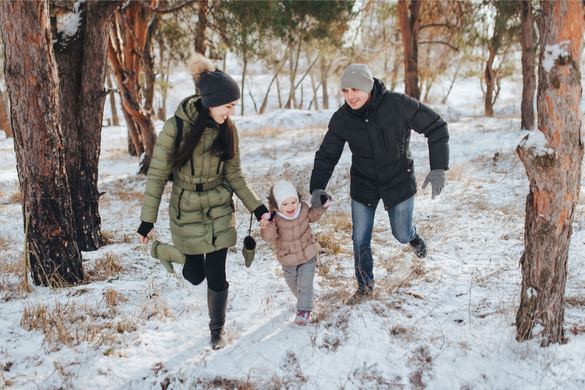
(445, 322)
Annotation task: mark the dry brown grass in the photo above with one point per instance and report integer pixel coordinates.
(62, 325)
(575, 301)
(112, 298)
(422, 362)
(264, 132)
(109, 238)
(103, 268)
(121, 191)
(577, 329)
(7, 242)
(329, 243)
(12, 277)
(370, 377)
(10, 194)
(71, 324)
(114, 154)
(338, 221)
(154, 308)
(225, 384)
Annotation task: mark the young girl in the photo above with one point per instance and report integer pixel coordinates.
(207, 172)
(296, 247)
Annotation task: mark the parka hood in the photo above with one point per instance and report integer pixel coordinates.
(189, 109)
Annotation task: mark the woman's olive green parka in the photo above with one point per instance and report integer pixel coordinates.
(201, 221)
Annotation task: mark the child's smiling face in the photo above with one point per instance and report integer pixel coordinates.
(289, 206)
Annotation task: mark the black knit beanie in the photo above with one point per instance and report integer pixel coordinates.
(217, 88)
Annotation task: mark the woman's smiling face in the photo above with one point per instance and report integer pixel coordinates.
(220, 113)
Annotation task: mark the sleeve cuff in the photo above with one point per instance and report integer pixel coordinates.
(259, 212)
(145, 228)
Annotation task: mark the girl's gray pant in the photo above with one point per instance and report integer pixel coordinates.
(300, 280)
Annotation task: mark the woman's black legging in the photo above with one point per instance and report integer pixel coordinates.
(210, 266)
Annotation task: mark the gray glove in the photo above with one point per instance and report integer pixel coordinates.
(437, 179)
(320, 199)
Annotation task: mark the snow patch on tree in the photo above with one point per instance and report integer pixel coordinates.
(71, 29)
(552, 52)
(537, 142)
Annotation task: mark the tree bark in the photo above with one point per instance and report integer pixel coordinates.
(528, 42)
(409, 19)
(135, 144)
(125, 51)
(81, 59)
(265, 102)
(490, 79)
(113, 108)
(554, 173)
(4, 116)
(201, 38)
(149, 74)
(33, 87)
(244, 68)
(324, 75)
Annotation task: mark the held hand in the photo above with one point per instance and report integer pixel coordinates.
(266, 220)
(320, 199)
(437, 179)
(143, 239)
(326, 200)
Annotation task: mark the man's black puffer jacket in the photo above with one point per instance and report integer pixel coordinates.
(378, 135)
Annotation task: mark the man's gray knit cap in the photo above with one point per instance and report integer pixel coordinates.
(217, 88)
(357, 76)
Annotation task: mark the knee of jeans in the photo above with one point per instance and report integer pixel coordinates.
(360, 243)
(402, 237)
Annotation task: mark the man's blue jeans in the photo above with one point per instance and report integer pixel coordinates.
(363, 223)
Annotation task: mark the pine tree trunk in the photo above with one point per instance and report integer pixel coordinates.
(148, 60)
(4, 116)
(315, 90)
(490, 77)
(82, 69)
(528, 65)
(324, 74)
(409, 20)
(135, 145)
(554, 173)
(244, 68)
(33, 87)
(125, 56)
(113, 108)
(201, 38)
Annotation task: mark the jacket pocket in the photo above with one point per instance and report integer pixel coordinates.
(384, 140)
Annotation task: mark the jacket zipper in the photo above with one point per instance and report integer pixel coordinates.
(218, 165)
(179, 203)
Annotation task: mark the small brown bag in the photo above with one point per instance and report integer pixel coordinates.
(249, 248)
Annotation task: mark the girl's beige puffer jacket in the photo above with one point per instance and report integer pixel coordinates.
(295, 242)
(201, 207)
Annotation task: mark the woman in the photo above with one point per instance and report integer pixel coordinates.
(206, 172)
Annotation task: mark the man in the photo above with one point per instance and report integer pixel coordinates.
(377, 123)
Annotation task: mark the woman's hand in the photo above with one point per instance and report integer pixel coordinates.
(143, 239)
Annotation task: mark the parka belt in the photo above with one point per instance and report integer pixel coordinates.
(198, 187)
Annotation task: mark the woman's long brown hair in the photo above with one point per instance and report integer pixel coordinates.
(224, 144)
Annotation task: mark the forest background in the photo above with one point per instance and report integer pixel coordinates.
(299, 48)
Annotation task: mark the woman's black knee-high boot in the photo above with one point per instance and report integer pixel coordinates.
(217, 304)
